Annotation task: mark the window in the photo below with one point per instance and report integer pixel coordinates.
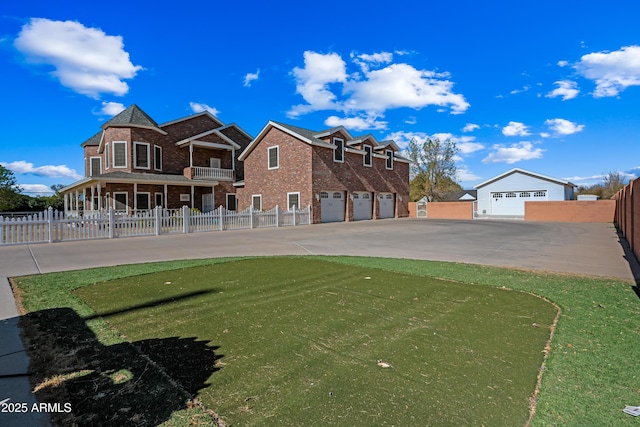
(338, 153)
(232, 202)
(540, 194)
(214, 163)
(366, 195)
(356, 196)
(158, 200)
(256, 202)
(389, 196)
(106, 156)
(142, 201)
(120, 201)
(119, 154)
(324, 195)
(273, 157)
(389, 154)
(525, 194)
(293, 200)
(141, 155)
(367, 155)
(95, 166)
(337, 195)
(157, 157)
(497, 195)
(510, 195)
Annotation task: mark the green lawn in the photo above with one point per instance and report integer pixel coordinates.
(294, 341)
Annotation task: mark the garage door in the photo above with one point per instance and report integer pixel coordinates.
(331, 206)
(362, 205)
(387, 205)
(511, 203)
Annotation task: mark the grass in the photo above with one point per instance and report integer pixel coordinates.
(264, 370)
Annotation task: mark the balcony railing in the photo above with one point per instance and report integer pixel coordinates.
(213, 174)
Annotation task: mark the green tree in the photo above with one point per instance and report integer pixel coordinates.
(10, 197)
(433, 169)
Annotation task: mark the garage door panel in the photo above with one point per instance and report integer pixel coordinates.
(362, 206)
(331, 206)
(387, 203)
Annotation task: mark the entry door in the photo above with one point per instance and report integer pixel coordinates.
(207, 202)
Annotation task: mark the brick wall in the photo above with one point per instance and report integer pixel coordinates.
(627, 214)
(450, 210)
(570, 211)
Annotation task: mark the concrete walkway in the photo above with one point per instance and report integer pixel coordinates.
(591, 249)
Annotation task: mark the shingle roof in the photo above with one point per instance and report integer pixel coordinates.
(131, 116)
(93, 141)
(309, 134)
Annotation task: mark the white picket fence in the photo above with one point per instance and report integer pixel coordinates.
(53, 226)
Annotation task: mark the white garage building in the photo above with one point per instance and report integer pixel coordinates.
(505, 194)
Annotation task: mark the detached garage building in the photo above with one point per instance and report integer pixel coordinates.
(506, 194)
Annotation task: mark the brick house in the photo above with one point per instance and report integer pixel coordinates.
(133, 163)
(342, 177)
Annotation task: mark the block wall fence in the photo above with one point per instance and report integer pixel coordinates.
(627, 214)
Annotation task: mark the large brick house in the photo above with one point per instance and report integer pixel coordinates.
(133, 163)
(342, 177)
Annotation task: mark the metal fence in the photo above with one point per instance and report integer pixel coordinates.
(53, 226)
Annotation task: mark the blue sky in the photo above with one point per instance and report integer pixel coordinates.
(552, 87)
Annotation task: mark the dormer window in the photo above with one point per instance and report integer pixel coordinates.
(338, 153)
(389, 154)
(367, 155)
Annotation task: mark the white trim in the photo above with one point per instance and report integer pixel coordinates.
(389, 159)
(364, 158)
(113, 153)
(331, 131)
(148, 200)
(115, 201)
(135, 155)
(340, 149)
(107, 153)
(525, 172)
(155, 199)
(297, 193)
(227, 201)
(252, 203)
(155, 157)
(91, 165)
(277, 148)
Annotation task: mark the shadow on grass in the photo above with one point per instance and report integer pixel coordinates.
(631, 258)
(139, 383)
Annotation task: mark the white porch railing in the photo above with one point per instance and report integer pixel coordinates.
(214, 174)
(53, 226)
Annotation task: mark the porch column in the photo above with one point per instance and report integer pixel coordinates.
(233, 159)
(99, 197)
(93, 191)
(190, 154)
(166, 201)
(213, 197)
(78, 202)
(135, 198)
(192, 195)
(66, 203)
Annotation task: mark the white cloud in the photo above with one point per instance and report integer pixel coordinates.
(250, 77)
(545, 134)
(566, 89)
(86, 60)
(468, 147)
(517, 91)
(411, 120)
(465, 144)
(463, 174)
(612, 72)
(357, 123)
(403, 138)
(199, 108)
(514, 153)
(325, 85)
(563, 127)
(36, 189)
(515, 129)
(49, 171)
(470, 127)
(111, 108)
(563, 63)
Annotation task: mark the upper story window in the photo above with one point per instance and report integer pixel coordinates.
(338, 153)
(157, 157)
(119, 154)
(368, 150)
(107, 158)
(389, 154)
(141, 155)
(95, 164)
(273, 157)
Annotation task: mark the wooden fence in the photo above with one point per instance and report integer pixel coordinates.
(53, 226)
(627, 215)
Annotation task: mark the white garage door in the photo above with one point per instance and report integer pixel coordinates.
(331, 206)
(387, 205)
(511, 203)
(362, 205)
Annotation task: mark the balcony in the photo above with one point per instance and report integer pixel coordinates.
(208, 174)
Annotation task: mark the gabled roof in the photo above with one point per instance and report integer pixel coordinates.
(362, 138)
(93, 141)
(235, 126)
(388, 144)
(133, 117)
(525, 172)
(304, 135)
(222, 136)
(204, 113)
(333, 130)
